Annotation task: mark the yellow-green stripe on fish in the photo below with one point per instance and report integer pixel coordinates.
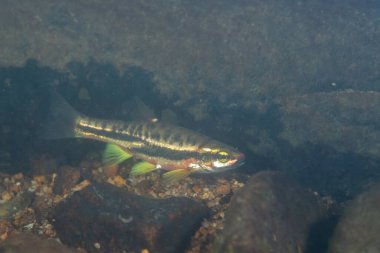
(178, 150)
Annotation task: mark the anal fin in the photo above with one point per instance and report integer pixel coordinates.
(142, 168)
(114, 155)
(175, 175)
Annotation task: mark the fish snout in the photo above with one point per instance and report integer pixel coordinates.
(240, 157)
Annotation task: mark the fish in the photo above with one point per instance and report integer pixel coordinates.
(159, 146)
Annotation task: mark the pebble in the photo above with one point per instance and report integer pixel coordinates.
(205, 195)
(48, 230)
(5, 228)
(18, 176)
(197, 188)
(15, 188)
(39, 179)
(97, 245)
(119, 181)
(5, 196)
(24, 218)
(223, 189)
(111, 171)
(213, 203)
(144, 188)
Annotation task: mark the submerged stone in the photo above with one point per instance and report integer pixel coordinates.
(269, 214)
(67, 178)
(104, 218)
(359, 228)
(235, 52)
(347, 121)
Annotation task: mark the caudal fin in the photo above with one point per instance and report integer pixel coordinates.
(61, 119)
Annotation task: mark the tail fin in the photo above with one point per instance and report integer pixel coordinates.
(61, 119)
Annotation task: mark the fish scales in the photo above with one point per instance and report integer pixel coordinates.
(148, 141)
(161, 145)
(137, 134)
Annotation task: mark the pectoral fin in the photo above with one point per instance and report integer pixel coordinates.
(114, 154)
(142, 168)
(175, 175)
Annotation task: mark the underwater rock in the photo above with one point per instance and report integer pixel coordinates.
(42, 207)
(67, 177)
(359, 228)
(269, 214)
(104, 218)
(233, 51)
(27, 242)
(347, 121)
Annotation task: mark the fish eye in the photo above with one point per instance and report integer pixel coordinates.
(223, 160)
(224, 157)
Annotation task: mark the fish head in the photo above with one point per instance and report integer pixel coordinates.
(218, 159)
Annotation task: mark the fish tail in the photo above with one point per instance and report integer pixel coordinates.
(61, 120)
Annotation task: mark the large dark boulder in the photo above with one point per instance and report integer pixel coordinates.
(104, 218)
(359, 228)
(269, 214)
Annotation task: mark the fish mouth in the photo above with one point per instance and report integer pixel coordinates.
(240, 157)
(239, 161)
(230, 167)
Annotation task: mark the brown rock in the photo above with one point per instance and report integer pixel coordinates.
(42, 206)
(67, 178)
(359, 228)
(111, 171)
(270, 214)
(118, 220)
